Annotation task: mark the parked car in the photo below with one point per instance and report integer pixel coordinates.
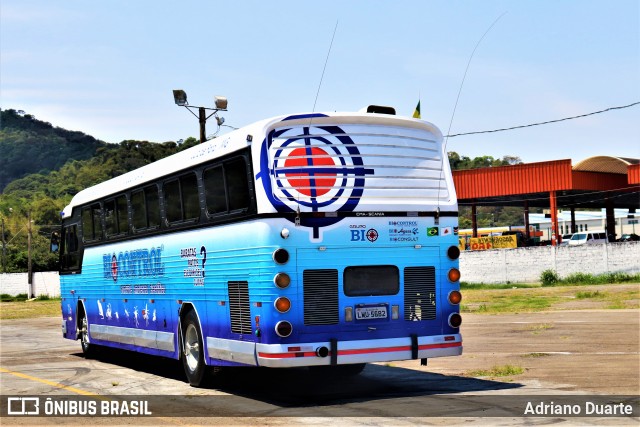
(629, 238)
(588, 238)
(565, 239)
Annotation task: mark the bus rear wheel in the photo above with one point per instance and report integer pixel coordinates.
(193, 350)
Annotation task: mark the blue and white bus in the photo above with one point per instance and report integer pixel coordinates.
(307, 240)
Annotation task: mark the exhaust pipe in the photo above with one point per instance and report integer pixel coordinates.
(322, 351)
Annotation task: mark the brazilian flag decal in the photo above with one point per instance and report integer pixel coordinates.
(432, 231)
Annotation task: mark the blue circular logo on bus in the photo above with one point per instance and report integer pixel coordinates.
(315, 167)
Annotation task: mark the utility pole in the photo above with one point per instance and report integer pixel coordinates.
(4, 250)
(29, 266)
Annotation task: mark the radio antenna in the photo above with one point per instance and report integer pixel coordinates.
(446, 141)
(325, 67)
(465, 75)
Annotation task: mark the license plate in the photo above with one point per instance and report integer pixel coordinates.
(373, 312)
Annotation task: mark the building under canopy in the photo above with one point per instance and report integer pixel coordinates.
(597, 182)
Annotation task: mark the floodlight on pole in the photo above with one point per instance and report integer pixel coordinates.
(180, 98)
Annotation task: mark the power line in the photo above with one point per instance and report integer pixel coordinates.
(544, 123)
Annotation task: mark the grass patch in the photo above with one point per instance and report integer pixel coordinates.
(497, 371)
(536, 355)
(589, 294)
(505, 301)
(29, 309)
(539, 328)
(466, 285)
(550, 278)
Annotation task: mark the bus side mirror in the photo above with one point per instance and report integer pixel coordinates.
(55, 242)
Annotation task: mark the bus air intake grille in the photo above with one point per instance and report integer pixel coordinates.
(239, 307)
(419, 293)
(320, 297)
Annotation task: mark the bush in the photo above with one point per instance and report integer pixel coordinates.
(549, 278)
(583, 279)
(6, 298)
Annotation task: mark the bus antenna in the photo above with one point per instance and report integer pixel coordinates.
(325, 67)
(453, 113)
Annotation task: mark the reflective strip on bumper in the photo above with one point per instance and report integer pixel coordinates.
(384, 350)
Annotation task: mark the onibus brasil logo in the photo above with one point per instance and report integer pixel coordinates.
(312, 167)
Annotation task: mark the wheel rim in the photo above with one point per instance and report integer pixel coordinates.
(85, 332)
(191, 347)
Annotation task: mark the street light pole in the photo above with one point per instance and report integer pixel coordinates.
(180, 98)
(202, 118)
(29, 264)
(4, 250)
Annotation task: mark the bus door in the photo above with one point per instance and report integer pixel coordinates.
(70, 262)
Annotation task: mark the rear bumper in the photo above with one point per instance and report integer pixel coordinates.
(364, 351)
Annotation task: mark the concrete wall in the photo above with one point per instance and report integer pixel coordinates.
(524, 265)
(45, 283)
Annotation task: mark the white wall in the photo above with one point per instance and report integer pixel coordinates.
(45, 283)
(524, 265)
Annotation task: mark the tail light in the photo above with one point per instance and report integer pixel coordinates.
(455, 320)
(455, 297)
(284, 328)
(281, 256)
(282, 280)
(453, 275)
(282, 304)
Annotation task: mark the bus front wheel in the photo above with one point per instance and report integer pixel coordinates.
(193, 350)
(88, 349)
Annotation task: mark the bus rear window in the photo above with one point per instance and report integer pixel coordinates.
(371, 280)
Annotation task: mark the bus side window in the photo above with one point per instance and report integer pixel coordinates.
(237, 184)
(215, 193)
(139, 210)
(181, 199)
(92, 223)
(69, 258)
(116, 216)
(145, 207)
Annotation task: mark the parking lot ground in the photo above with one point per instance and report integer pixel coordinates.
(563, 353)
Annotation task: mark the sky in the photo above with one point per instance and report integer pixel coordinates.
(108, 68)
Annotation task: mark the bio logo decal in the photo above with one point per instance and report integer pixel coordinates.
(312, 167)
(360, 234)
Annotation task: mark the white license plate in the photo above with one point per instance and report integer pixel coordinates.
(367, 313)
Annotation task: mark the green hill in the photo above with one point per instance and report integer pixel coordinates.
(28, 145)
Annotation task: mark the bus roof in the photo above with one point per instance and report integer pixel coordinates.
(232, 142)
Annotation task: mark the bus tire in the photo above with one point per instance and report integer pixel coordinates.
(193, 350)
(88, 349)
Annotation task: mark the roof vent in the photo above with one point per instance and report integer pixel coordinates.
(381, 109)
